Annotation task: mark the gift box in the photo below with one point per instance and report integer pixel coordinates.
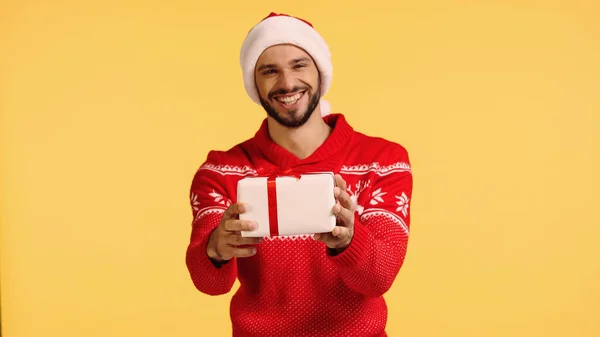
(288, 205)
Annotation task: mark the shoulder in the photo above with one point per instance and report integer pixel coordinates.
(235, 160)
(378, 151)
(235, 155)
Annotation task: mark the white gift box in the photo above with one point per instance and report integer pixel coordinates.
(304, 205)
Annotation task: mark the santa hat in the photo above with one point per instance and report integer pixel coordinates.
(284, 29)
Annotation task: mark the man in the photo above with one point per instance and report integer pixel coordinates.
(329, 284)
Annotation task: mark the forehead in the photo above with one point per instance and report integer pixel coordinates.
(282, 54)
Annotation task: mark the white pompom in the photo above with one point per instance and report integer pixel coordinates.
(325, 108)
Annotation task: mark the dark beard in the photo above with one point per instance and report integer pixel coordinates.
(297, 120)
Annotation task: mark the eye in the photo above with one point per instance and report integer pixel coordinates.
(299, 65)
(269, 72)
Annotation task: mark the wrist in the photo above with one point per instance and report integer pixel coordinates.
(211, 249)
(212, 254)
(334, 251)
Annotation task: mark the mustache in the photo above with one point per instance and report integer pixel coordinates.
(285, 91)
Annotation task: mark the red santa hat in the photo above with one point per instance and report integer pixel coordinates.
(278, 29)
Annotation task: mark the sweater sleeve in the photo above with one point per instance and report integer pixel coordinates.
(370, 264)
(208, 201)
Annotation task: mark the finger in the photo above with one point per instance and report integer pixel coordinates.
(238, 240)
(235, 225)
(233, 211)
(341, 233)
(244, 251)
(345, 215)
(325, 237)
(335, 237)
(343, 197)
(340, 182)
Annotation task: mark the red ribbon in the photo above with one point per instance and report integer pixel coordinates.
(272, 195)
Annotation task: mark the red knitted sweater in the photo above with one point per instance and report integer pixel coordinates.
(293, 286)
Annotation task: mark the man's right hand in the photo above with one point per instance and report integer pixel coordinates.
(226, 241)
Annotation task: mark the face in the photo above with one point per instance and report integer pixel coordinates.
(288, 84)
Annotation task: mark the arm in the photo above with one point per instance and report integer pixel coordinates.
(370, 263)
(208, 201)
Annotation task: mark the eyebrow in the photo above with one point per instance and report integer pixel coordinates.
(294, 61)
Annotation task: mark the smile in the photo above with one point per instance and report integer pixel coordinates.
(290, 100)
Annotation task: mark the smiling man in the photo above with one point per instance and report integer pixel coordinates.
(302, 99)
(329, 284)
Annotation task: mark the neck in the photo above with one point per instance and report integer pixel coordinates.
(302, 141)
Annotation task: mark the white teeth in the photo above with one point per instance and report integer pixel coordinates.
(290, 100)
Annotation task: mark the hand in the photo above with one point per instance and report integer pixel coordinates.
(226, 241)
(341, 235)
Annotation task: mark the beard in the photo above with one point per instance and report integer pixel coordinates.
(293, 118)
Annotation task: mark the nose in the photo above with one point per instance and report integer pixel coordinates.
(286, 80)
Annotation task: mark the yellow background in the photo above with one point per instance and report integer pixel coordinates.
(109, 107)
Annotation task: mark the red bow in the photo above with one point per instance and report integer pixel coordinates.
(272, 194)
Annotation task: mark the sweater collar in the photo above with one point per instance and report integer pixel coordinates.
(339, 138)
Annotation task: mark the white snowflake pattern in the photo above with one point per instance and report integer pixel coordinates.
(402, 204)
(354, 194)
(194, 202)
(220, 199)
(377, 196)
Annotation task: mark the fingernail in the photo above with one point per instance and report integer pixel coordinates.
(240, 207)
(253, 251)
(252, 226)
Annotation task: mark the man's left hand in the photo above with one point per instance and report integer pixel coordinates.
(341, 235)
